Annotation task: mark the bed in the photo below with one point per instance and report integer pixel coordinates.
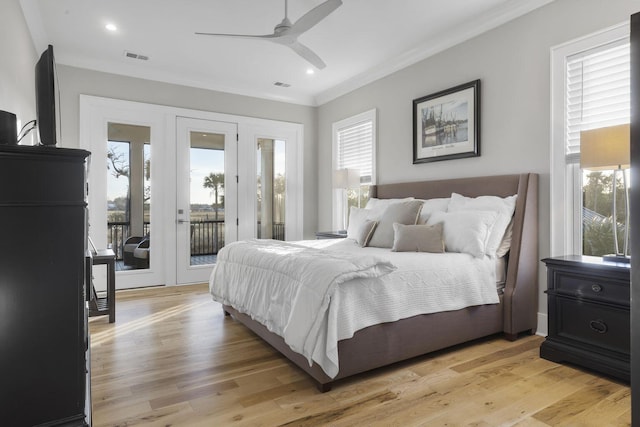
(514, 313)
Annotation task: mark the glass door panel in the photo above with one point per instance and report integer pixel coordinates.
(206, 208)
(129, 195)
(271, 186)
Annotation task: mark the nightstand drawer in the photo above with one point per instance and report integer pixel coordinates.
(600, 326)
(592, 287)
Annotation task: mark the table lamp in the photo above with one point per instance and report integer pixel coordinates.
(346, 179)
(609, 149)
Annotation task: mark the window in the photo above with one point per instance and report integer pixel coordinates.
(354, 147)
(590, 90)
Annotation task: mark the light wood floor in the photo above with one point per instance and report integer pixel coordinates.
(172, 358)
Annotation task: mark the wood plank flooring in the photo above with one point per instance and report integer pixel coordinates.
(173, 359)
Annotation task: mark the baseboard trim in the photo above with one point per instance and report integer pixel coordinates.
(543, 329)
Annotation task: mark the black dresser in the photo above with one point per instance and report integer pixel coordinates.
(588, 309)
(43, 319)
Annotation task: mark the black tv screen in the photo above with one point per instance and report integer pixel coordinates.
(46, 97)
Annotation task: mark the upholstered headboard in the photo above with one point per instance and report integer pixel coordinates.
(521, 288)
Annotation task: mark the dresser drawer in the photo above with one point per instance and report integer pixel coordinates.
(599, 326)
(593, 287)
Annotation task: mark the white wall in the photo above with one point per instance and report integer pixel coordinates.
(513, 64)
(17, 63)
(76, 81)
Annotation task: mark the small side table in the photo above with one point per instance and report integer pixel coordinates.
(105, 305)
(330, 235)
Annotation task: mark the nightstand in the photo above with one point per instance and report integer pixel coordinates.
(330, 235)
(588, 313)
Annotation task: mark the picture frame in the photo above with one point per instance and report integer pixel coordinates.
(446, 124)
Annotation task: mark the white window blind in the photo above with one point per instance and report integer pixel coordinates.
(597, 92)
(355, 149)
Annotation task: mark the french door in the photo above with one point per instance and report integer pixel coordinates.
(207, 194)
(172, 178)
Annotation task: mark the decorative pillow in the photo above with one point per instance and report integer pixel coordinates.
(430, 206)
(465, 231)
(418, 238)
(402, 213)
(365, 232)
(357, 217)
(504, 208)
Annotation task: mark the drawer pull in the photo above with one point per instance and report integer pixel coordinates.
(599, 326)
(596, 288)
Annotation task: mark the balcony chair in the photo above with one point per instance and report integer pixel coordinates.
(142, 254)
(130, 246)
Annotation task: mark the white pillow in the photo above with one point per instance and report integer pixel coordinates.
(429, 206)
(357, 217)
(505, 244)
(503, 207)
(465, 231)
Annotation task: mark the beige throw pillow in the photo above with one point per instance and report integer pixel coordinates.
(418, 238)
(403, 213)
(365, 231)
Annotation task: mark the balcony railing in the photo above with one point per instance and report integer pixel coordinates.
(207, 236)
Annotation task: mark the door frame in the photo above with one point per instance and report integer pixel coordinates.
(95, 111)
(291, 133)
(185, 272)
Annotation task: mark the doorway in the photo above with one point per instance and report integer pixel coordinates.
(189, 206)
(207, 207)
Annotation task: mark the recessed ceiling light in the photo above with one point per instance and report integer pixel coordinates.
(310, 71)
(111, 27)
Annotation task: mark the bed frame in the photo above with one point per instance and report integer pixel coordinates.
(387, 343)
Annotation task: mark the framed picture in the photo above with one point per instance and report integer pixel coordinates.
(446, 125)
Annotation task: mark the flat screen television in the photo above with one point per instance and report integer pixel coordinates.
(46, 97)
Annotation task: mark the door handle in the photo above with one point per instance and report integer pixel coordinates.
(182, 221)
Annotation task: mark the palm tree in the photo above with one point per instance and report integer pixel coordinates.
(214, 181)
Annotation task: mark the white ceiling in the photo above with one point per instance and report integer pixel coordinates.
(361, 41)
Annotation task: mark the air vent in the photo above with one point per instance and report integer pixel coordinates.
(135, 56)
(282, 84)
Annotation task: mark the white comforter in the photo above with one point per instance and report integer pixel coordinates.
(287, 287)
(422, 283)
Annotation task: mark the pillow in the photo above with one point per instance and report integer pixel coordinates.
(418, 238)
(505, 244)
(504, 208)
(430, 206)
(378, 206)
(357, 217)
(400, 212)
(465, 231)
(365, 232)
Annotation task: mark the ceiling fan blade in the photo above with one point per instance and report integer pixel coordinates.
(241, 36)
(307, 54)
(315, 15)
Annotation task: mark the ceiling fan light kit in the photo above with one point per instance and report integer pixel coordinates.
(286, 33)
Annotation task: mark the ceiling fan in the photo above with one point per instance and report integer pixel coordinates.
(286, 33)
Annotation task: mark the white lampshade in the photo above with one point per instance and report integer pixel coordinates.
(605, 148)
(346, 178)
